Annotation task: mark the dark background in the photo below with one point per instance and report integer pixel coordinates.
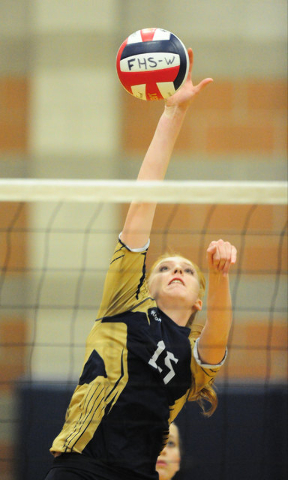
(246, 438)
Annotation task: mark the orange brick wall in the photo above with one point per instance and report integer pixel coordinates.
(14, 103)
(13, 237)
(230, 116)
(14, 125)
(184, 227)
(14, 98)
(258, 351)
(13, 339)
(7, 454)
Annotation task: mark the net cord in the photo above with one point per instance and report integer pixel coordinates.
(124, 191)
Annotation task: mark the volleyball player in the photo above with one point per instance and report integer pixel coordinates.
(142, 360)
(168, 462)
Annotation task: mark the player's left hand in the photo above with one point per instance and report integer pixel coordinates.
(187, 92)
(221, 255)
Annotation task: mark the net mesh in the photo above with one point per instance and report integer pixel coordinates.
(54, 256)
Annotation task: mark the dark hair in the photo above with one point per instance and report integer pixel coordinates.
(181, 448)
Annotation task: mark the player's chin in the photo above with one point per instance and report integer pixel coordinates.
(178, 292)
(161, 466)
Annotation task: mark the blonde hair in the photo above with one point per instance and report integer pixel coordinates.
(207, 393)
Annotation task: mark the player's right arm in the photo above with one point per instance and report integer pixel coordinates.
(125, 285)
(140, 216)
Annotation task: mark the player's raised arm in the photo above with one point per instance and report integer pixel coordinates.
(214, 337)
(140, 216)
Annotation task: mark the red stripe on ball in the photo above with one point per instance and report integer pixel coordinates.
(147, 35)
(119, 54)
(140, 78)
(153, 92)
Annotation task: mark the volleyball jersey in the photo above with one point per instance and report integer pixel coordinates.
(139, 368)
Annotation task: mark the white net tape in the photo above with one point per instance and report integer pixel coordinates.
(123, 191)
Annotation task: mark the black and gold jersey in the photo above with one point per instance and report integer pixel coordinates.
(137, 373)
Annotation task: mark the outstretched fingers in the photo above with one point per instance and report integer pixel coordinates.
(191, 58)
(202, 84)
(184, 96)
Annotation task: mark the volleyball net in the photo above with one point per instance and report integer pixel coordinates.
(57, 238)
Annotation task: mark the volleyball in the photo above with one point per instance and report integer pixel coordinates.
(152, 64)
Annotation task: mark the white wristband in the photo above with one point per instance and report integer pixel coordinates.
(206, 365)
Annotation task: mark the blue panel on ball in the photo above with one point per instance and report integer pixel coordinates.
(183, 60)
(165, 46)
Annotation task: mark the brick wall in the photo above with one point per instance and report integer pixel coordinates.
(228, 117)
(14, 101)
(14, 126)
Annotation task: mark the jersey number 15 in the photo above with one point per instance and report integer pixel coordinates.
(168, 361)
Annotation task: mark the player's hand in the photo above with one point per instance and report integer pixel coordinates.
(184, 96)
(221, 255)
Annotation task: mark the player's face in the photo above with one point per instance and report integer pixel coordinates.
(168, 462)
(174, 280)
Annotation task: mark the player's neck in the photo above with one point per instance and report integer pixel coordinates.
(179, 315)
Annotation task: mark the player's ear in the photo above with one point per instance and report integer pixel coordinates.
(198, 305)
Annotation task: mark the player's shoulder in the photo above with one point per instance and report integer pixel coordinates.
(195, 331)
